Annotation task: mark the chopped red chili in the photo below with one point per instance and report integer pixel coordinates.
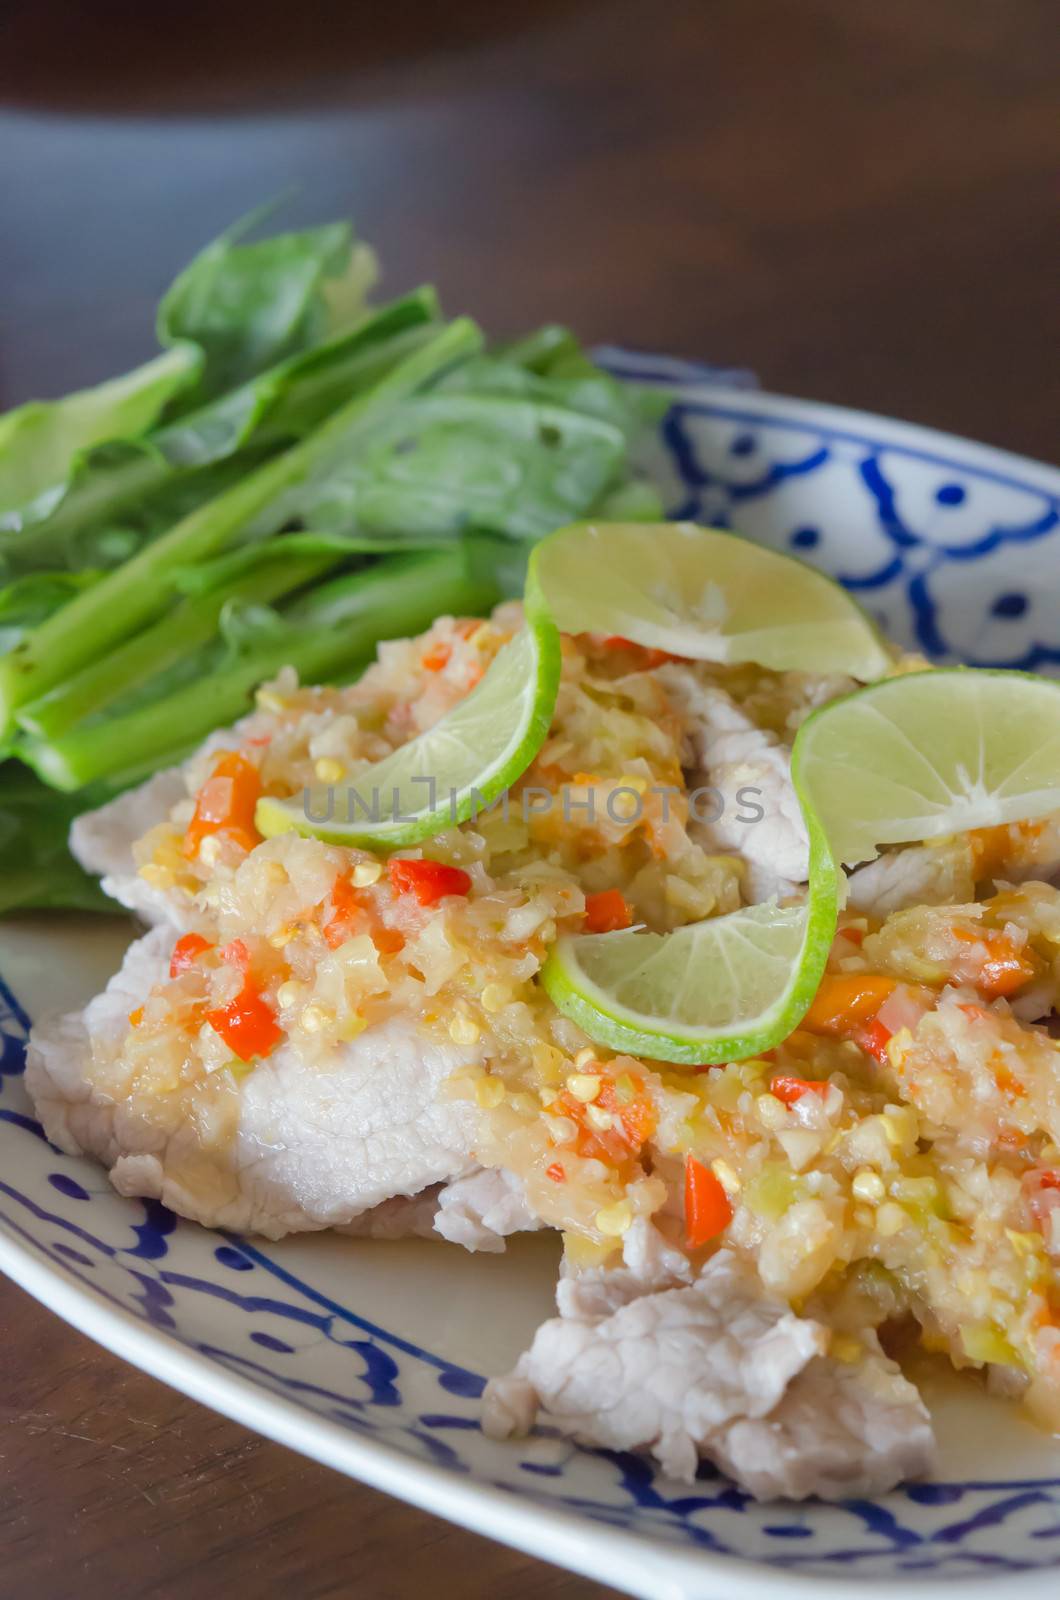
(186, 952)
(606, 912)
(247, 1024)
(225, 804)
(237, 954)
(874, 1040)
(708, 1211)
(429, 881)
(791, 1089)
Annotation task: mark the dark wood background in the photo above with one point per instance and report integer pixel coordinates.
(855, 199)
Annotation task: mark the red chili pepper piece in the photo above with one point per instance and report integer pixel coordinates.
(707, 1208)
(429, 881)
(606, 912)
(437, 657)
(347, 912)
(225, 804)
(237, 954)
(874, 1041)
(352, 911)
(247, 1024)
(1006, 968)
(845, 1001)
(186, 952)
(791, 1089)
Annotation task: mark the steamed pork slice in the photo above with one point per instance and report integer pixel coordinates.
(843, 1428)
(650, 1263)
(481, 1210)
(718, 1370)
(102, 841)
(403, 1217)
(667, 1371)
(748, 768)
(946, 871)
(478, 1211)
(923, 875)
(290, 1146)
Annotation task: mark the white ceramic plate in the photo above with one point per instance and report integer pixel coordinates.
(371, 1356)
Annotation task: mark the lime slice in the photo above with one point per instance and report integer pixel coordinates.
(705, 595)
(456, 768)
(719, 990)
(929, 754)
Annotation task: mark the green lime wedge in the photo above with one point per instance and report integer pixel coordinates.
(719, 990)
(447, 774)
(705, 595)
(929, 754)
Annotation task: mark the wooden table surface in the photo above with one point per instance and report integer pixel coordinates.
(854, 199)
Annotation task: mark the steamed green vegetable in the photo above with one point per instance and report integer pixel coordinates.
(234, 311)
(447, 463)
(247, 306)
(37, 871)
(119, 495)
(137, 592)
(142, 668)
(297, 477)
(40, 440)
(331, 630)
(27, 601)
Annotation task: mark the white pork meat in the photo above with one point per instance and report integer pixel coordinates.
(717, 1369)
(309, 1145)
(749, 771)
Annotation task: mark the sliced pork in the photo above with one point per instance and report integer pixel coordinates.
(309, 1146)
(102, 841)
(749, 771)
(843, 1428)
(482, 1209)
(718, 1369)
(923, 875)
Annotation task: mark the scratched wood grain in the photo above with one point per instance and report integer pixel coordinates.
(854, 199)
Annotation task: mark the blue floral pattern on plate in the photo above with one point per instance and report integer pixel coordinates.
(957, 550)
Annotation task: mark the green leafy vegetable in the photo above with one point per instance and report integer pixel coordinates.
(37, 871)
(446, 463)
(40, 441)
(332, 630)
(248, 306)
(29, 600)
(143, 667)
(119, 495)
(137, 592)
(295, 479)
